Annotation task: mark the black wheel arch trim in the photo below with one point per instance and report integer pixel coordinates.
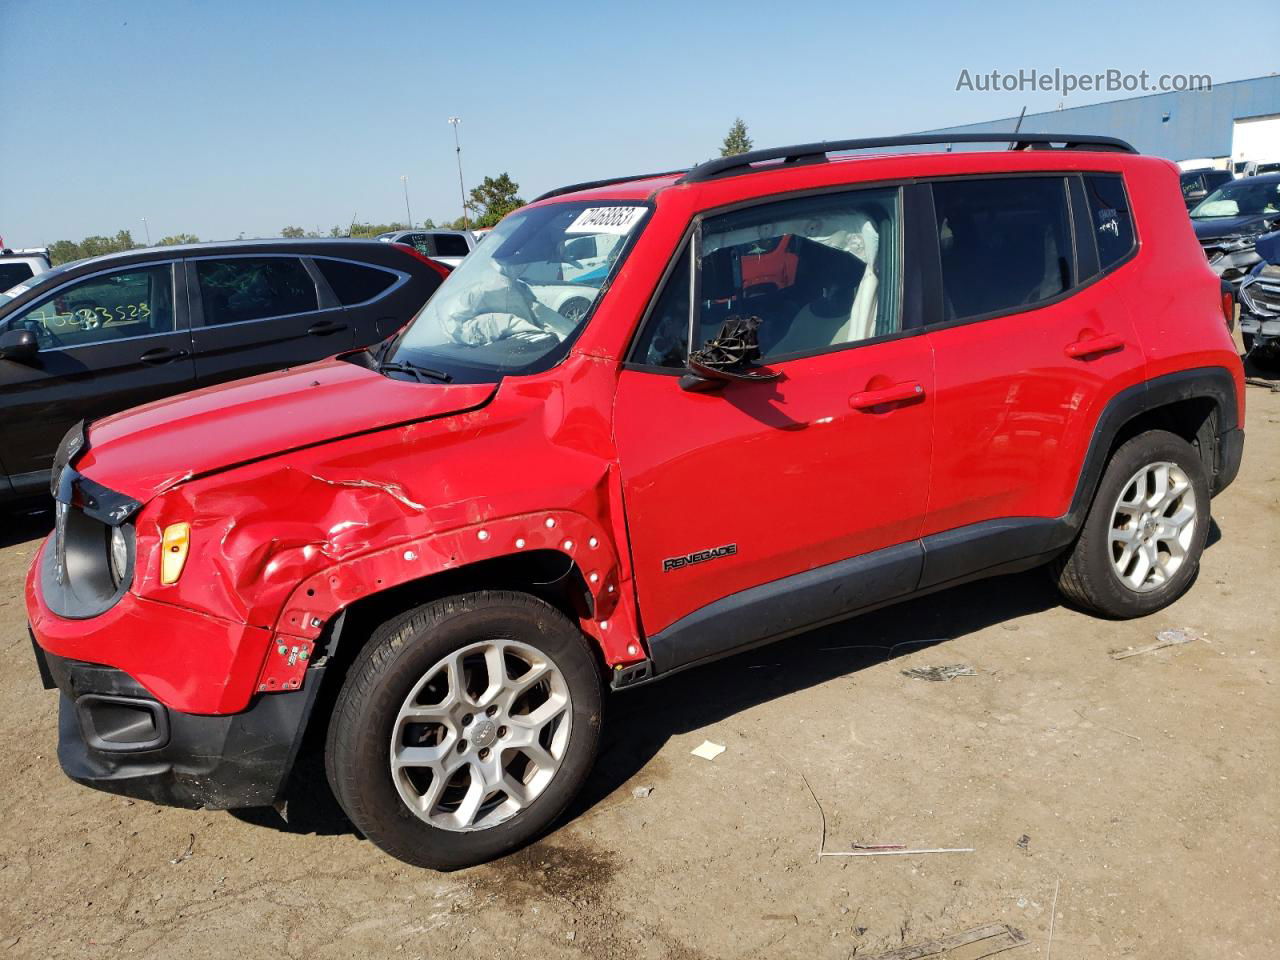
(1199, 383)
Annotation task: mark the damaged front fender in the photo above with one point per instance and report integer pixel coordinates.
(286, 543)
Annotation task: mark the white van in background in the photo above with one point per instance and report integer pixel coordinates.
(17, 266)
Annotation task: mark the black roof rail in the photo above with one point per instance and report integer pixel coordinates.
(593, 184)
(817, 152)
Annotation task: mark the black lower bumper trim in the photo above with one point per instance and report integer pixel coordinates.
(217, 762)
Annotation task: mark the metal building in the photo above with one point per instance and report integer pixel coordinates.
(1177, 126)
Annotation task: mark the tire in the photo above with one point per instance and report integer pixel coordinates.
(400, 703)
(1090, 574)
(574, 309)
(1247, 340)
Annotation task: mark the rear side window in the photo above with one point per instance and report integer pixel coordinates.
(352, 282)
(253, 288)
(451, 245)
(1005, 243)
(12, 274)
(1111, 219)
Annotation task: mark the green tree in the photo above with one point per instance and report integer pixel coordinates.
(178, 238)
(64, 251)
(365, 230)
(492, 200)
(736, 140)
(293, 233)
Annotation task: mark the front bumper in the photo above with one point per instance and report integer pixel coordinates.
(1264, 328)
(1231, 265)
(191, 661)
(114, 736)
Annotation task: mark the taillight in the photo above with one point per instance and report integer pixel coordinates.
(1229, 305)
(441, 268)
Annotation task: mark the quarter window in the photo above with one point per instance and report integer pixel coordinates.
(665, 339)
(451, 245)
(12, 274)
(253, 288)
(1111, 220)
(818, 273)
(353, 283)
(131, 303)
(1005, 243)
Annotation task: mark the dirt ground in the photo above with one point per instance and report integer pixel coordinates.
(1145, 789)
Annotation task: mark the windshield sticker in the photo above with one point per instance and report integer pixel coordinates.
(618, 220)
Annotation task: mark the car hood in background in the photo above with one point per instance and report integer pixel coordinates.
(1214, 227)
(1268, 247)
(144, 451)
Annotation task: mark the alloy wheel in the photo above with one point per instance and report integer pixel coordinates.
(481, 735)
(1153, 524)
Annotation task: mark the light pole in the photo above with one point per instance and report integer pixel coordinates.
(146, 230)
(404, 181)
(453, 122)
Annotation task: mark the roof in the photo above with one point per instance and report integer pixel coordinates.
(368, 251)
(644, 186)
(312, 245)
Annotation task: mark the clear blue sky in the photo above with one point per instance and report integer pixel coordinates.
(217, 118)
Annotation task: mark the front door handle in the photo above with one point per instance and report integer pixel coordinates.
(162, 355)
(898, 393)
(1091, 347)
(323, 327)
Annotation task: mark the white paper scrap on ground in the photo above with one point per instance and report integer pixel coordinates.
(708, 750)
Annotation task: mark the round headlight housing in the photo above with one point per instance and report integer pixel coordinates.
(119, 555)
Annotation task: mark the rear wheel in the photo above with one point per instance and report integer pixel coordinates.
(464, 728)
(1140, 546)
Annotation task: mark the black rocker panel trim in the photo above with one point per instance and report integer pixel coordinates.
(787, 606)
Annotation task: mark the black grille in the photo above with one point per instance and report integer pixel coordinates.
(1261, 294)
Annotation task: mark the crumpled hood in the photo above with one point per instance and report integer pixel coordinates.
(148, 449)
(1213, 227)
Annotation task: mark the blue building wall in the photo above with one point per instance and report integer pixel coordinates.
(1199, 122)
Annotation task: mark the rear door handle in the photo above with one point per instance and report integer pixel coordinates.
(162, 355)
(322, 327)
(1083, 349)
(899, 392)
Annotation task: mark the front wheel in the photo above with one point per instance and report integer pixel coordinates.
(1140, 546)
(464, 728)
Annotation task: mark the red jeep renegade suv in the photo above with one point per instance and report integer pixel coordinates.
(979, 362)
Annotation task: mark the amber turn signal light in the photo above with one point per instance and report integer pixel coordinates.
(173, 551)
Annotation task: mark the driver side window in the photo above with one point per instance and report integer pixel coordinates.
(114, 306)
(811, 275)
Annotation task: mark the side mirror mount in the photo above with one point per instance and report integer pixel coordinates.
(728, 357)
(19, 346)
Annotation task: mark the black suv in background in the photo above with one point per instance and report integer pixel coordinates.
(98, 336)
(1229, 221)
(1198, 184)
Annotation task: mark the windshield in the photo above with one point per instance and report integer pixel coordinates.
(1240, 198)
(518, 301)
